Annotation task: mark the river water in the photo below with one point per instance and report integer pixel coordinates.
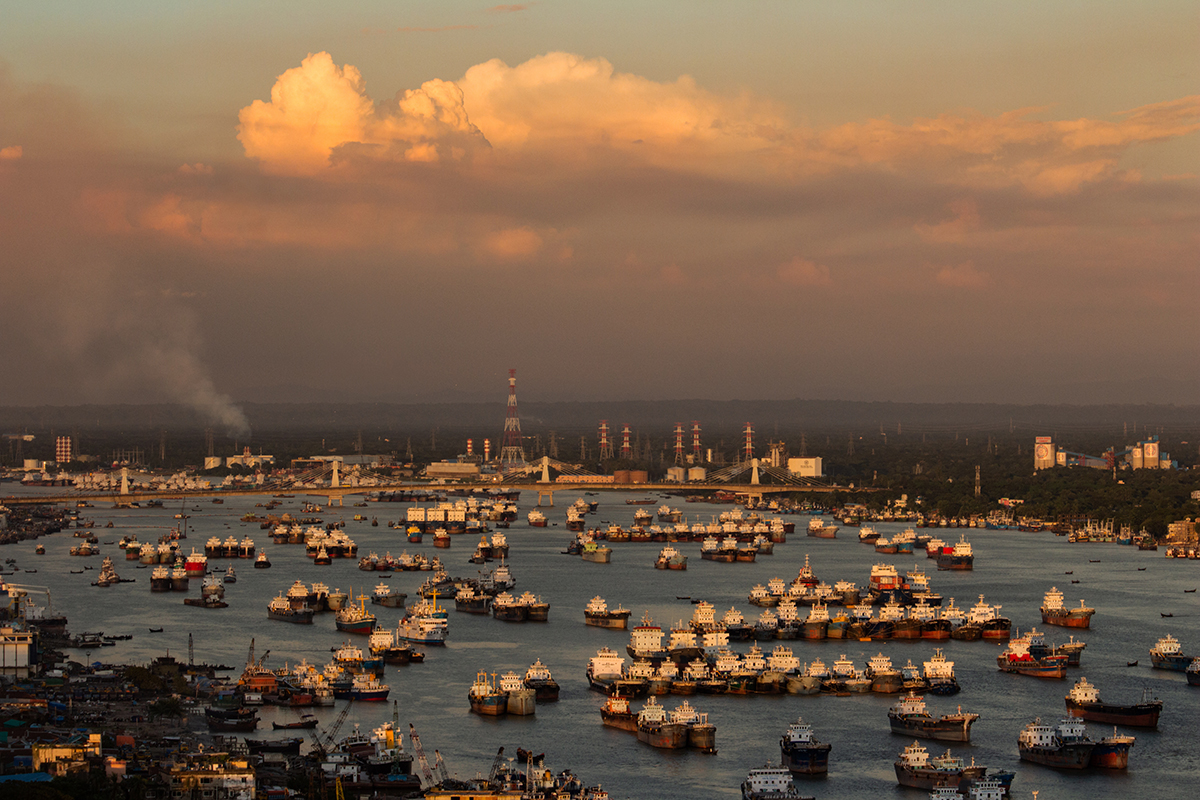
(1012, 569)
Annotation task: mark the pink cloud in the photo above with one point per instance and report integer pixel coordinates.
(513, 244)
(803, 272)
(964, 223)
(11, 153)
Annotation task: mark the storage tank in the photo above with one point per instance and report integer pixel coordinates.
(621, 476)
(676, 474)
(639, 476)
(697, 474)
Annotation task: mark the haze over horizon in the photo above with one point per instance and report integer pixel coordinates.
(372, 202)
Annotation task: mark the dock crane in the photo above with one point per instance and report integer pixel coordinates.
(496, 765)
(439, 768)
(426, 775)
(321, 742)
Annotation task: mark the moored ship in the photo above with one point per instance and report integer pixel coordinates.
(801, 753)
(538, 678)
(655, 727)
(670, 558)
(355, 618)
(281, 609)
(917, 769)
(1167, 654)
(1084, 701)
(909, 717)
(485, 696)
(960, 556)
(1055, 613)
(598, 613)
(771, 783)
(1067, 746)
(1028, 656)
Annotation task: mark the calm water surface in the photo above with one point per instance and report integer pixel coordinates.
(1011, 568)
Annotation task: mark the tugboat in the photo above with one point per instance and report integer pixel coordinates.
(909, 717)
(801, 753)
(1083, 701)
(538, 678)
(771, 783)
(1166, 654)
(1055, 613)
(486, 698)
(262, 562)
(598, 613)
(1067, 746)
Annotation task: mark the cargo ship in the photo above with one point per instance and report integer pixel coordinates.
(1067, 746)
(485, 697)
(959, 557)
(657, 729)
(701, 734)
(1022, 658)
(604, 669)
(355, 618)
(521, 700)
(539, 678)
(282, 610)
(800, 751)
(1166, 654)
(909, 717)
(596, 553)
(1083, 701)
(1055, 613)
(771, 783)
(598, 613)
(915, 768)
(365, 686)
(616, 713)
(819, 530)
(670, 558)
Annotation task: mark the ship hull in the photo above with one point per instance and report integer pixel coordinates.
(806, 760)
(1067, 620)
(947, 562)
(624, 722)
(1138, 715)
(299, 617)
(669, 736)
(1054, 667)
(1175, 663)
(490, 706)
(606, 620)
(363, 626)
(522, 702)
(942, 730)
(1070, 756)
(918, 778)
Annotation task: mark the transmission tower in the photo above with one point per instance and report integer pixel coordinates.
(553, 445)
(512, 456)
(626, 449)
(696, 441)
(606, 451)
(749, 447)
(678, 442)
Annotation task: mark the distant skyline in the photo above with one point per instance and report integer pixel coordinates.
(917, 202)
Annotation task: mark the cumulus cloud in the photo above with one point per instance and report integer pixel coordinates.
(513, 243)
(319, 107)
(803, 272)
(962, 276)
(11, 153)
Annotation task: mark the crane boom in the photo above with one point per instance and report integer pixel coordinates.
(427, 775)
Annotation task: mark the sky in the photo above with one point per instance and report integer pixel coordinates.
(386, 201)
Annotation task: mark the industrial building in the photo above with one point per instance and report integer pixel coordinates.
(1142, 455)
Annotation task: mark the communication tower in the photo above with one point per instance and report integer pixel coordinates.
(626, 449)
(512, 456)
(606, 451)
(749, 449)
(678, 442)
(696, 453)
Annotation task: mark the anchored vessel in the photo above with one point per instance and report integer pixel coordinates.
(1084, 701)
(599, 614)
(1067, 746)
(1166, 654)
(1055, 613)
(771, 783)
(801, 753)
(910, 718)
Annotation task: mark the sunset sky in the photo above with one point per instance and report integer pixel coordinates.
(917, 201)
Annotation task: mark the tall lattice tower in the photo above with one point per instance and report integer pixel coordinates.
(749, 449)
(606, 451)
(696, 441)
(512, 456)
(626, 448)
(678, 442)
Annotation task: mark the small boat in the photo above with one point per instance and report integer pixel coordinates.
(678, 597)
(306, 721)
(1165, 615)
(1141, 569)
(156, 630)
(1069, 572)
(1189, 591)
(1074, 581)
(1093, 561)
(1131, 663)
